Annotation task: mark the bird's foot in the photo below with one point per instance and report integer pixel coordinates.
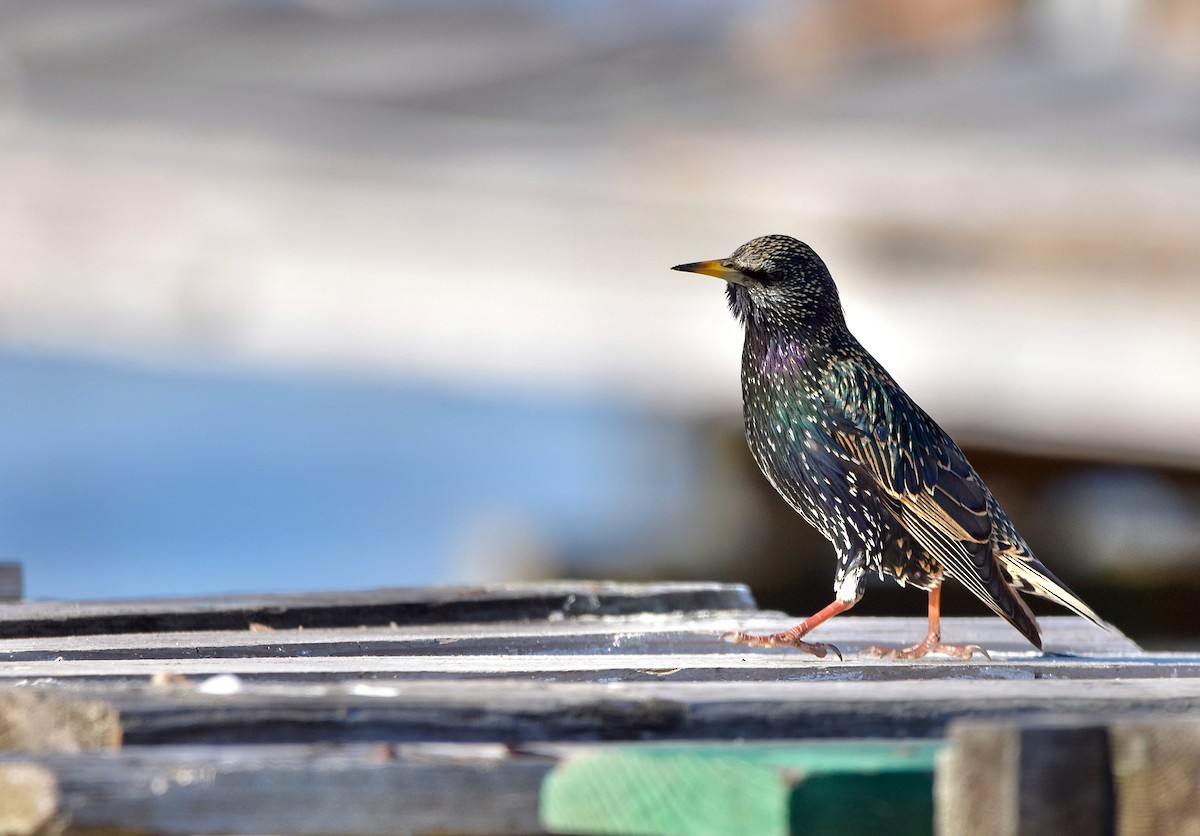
(924, 648)
(786, 639)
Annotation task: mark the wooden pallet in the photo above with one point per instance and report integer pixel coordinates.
(387, 711)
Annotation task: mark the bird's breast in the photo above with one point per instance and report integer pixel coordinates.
(784, 418)
(789, 432)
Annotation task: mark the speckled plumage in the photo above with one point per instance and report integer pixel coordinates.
(857, 458)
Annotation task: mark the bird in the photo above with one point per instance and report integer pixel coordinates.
(861, 462)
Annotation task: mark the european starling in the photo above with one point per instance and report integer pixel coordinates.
(860, 461)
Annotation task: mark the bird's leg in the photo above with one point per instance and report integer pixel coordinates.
(932, 643)
(792, 637)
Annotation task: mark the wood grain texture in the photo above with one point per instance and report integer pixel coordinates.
(1156, 772)
(977, 781)
(852, 788)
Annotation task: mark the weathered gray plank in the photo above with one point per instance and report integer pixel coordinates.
(650, 648)
(639, 633)
(518, 712)
(674, 667)
(359, 790)
(642, 634)
(423, 605)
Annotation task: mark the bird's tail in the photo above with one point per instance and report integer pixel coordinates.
(1005, 602)
(1026, 572)
(1029, 575)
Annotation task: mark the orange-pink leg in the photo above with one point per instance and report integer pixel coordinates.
(792, 637)
(932, 643)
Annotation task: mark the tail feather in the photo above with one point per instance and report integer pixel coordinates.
(1026, 572)
(1022, 617)
(1003, 600)
(1030, 575)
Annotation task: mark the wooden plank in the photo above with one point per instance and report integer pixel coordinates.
(1062, 775)
(1027, 777)
(359, 790)
(567, 668)
(1065, 783)
(42, 720)
(977, 779)
(688, 648)
(1156, 772)
(12, 586)
(523, 712)
(423, 605)
(28, 800)
(367, 789)
(730, 789)
(643, 634)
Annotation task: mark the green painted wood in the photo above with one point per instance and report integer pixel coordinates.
(816, 788)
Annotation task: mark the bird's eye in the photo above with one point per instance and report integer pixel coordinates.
(760, 276)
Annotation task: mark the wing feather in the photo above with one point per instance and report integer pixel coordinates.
(935, 493)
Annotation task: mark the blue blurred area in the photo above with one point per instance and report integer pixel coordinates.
(119, 480)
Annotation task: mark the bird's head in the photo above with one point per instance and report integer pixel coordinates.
(776, 281)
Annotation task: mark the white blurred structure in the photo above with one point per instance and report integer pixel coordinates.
(490, 194)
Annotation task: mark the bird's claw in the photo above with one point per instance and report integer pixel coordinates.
(818, 649)
(922, 649)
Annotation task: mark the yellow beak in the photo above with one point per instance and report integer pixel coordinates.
(713, 268)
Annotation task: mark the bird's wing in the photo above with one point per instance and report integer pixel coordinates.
(933, 491)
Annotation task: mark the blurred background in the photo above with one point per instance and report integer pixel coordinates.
(357, 293)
